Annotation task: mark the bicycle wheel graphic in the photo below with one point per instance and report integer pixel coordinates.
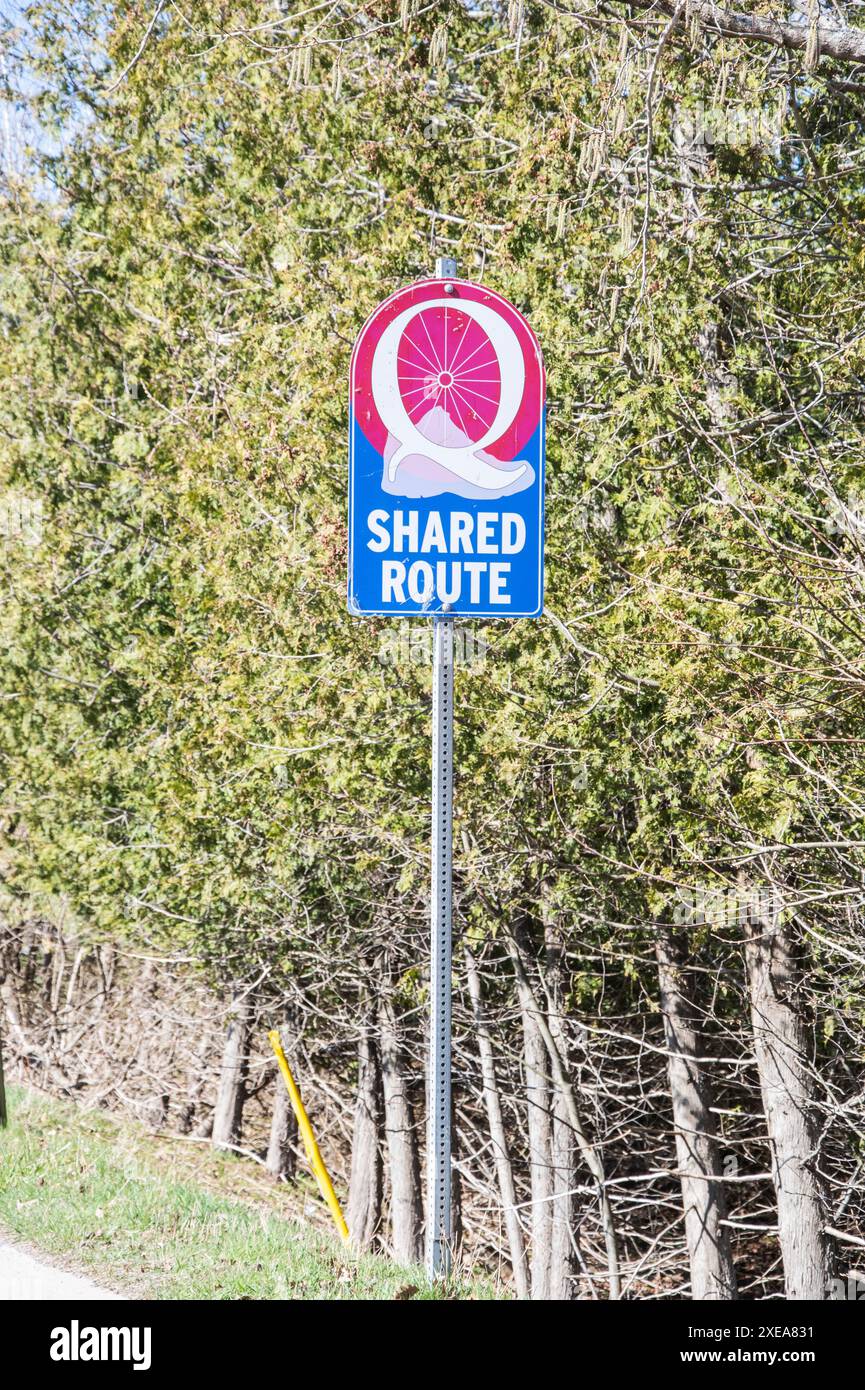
(448, 376)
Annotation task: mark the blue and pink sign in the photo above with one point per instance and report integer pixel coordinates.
(446, 487)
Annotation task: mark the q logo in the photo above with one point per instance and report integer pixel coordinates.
(449, 389)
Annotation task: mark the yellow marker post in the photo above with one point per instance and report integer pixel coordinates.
(316, 1162)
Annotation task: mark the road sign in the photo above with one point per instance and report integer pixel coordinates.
(446, 518)
(446, 493)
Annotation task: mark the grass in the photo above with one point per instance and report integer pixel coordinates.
(145, 1217)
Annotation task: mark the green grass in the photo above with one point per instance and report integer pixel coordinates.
(140, 1216)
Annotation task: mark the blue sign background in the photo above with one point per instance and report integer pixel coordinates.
(525, 580)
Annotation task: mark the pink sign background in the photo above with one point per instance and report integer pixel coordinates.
(448, 374)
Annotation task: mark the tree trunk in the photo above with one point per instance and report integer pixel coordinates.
(365, 1184)
(3, 1112)
(196, 1081)
(495, 1120)
(712, 1272)
(713, 1275)
(788, 1091)
(562, 1147)
(540, 1152)
(564, 1089)
(228, 1112)
(281, 1161)
(406, 1216)
(456, 1180)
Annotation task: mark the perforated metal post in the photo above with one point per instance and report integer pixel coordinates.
(438, 1226)
(439, 1137)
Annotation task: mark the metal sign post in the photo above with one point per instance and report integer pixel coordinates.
(446, 519)
(438, 1239)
